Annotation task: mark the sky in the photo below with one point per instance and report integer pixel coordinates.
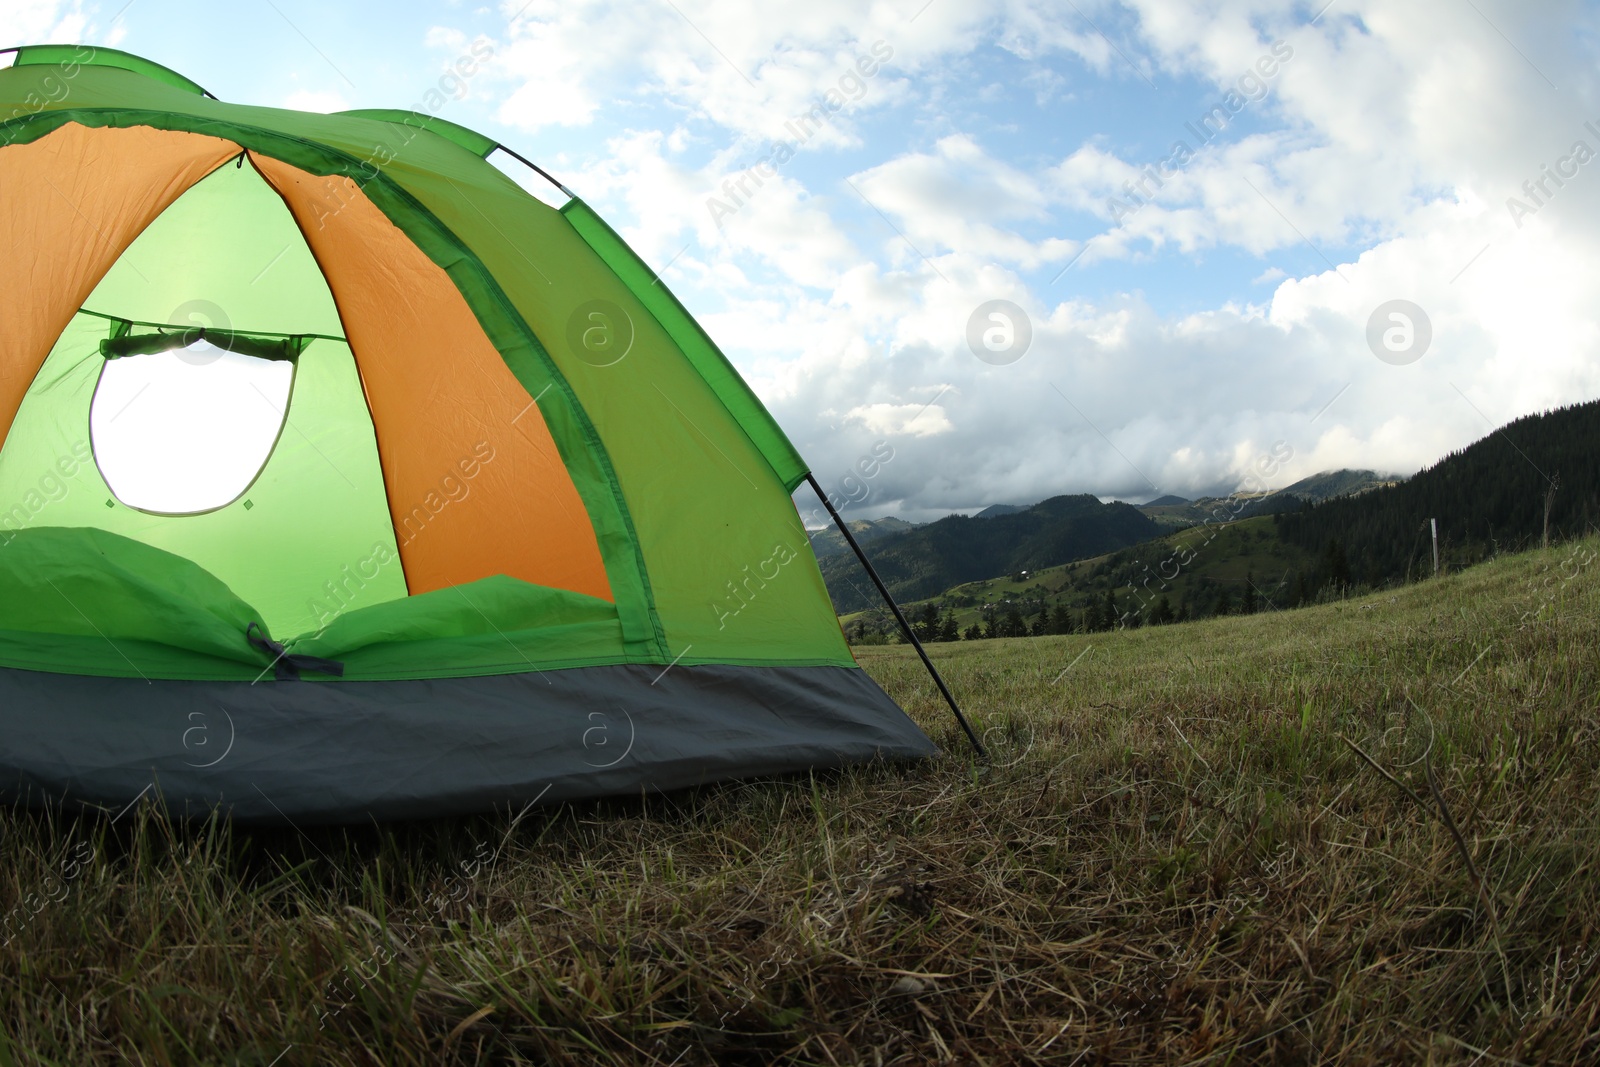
(1030, 248)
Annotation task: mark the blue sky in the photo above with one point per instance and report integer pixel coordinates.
(1172, 347)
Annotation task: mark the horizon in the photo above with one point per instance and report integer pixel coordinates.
(970, 512)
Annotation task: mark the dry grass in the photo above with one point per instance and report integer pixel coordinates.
(1175, 857)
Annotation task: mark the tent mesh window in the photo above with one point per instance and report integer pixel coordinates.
(188, 428)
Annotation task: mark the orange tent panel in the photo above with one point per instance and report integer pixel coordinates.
(476, 485)
(74, 201)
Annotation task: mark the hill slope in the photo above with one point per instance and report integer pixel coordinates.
(930, 559)
(1325, 485)
(1199, 571)
(1488, 497)
(1174, 511)
(829, 541)
(1321, 535)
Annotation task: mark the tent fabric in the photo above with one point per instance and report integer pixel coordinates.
(70, 206)
(107, 590)
(68, 58)
(508, 459)
(694, 342)
(444, 406)
(297, 565)
(471, 140)
(88, 601)
(231, 238)
(332, 751)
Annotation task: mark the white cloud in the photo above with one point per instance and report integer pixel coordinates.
(1376, 168)
(926, 420)
(748, 74)
(24, 22)
(325, 101)
(41, 22)
(958, 198)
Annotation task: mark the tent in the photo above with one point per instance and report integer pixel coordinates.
(344, 478)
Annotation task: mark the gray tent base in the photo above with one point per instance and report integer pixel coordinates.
(315, 751)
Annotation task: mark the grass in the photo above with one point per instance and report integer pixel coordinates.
(1175, 856)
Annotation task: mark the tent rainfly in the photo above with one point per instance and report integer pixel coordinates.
(342, 478)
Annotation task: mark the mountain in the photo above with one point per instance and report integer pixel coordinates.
(1489, 497)
(929, 559)
(1310, 540)
(1179, 512)
(828, 541)
(1319, 487)
(1174, 512)
(1200, 571)
(994, 510)
(1329, 484)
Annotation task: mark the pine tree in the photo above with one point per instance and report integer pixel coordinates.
(948, 630)
(1486, 496)
(1161, 614)
(1337, 567)
(1041, 624)
(927, 624)
(973, 633)
(1109, 613)
(1249, 593)
(1225, 603)
(1014, 626)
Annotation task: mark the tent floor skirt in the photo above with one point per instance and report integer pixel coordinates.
(329, 751)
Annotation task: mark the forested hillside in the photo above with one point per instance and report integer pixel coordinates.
(929, 559)
(1490, 497)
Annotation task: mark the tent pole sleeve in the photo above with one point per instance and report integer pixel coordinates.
(905, 627)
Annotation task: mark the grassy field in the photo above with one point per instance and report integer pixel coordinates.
(1176, 855)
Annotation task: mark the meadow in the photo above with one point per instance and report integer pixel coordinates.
(1362, 832)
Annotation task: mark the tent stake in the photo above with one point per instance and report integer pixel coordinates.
(905, 627)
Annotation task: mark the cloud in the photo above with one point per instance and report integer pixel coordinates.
(959, 198)
(1373, 163)
(41, 22)
(324, 101)
(748, 75)
(924, 420)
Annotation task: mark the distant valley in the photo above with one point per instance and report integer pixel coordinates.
(1073, 561)
(917, 560)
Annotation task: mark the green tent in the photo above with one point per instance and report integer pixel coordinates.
(343, 478)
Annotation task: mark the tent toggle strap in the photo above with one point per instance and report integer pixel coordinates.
(286, 666)
(911, 635)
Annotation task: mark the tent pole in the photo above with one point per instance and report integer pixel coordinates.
(905, 627)
(525, 161)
